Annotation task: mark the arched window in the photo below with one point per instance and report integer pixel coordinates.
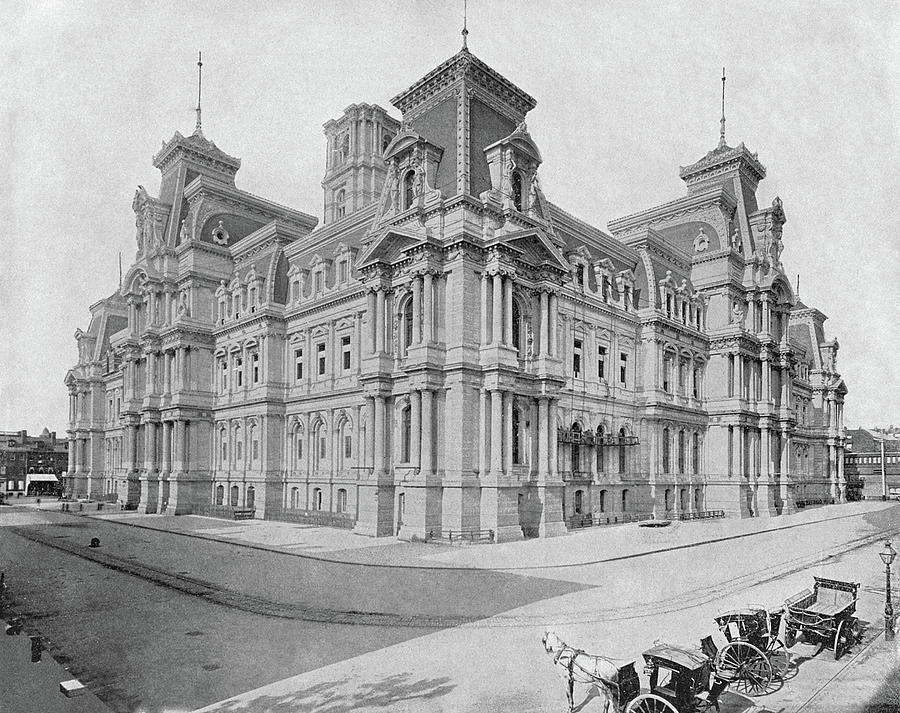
(342, 500)
(405, 434)
(698, 500)
(344, 148)
(621, 450)
(317, 499)
(517, 328)
(681, 451)
(682, 500)
(223, 448)
(295, 498)
(666, 458)
(625, 499)
(408, 194)
(251, 496)
(668, 499)
(235, 496)
(220, 494)
(602, 501)
(579, 501)
(599, 443)
(408, 323)
(576, 447)
(340, 204)
(517, 190)
(516, 436)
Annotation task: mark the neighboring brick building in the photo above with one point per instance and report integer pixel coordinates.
(872, 463)
(23, 457)
(451, 350)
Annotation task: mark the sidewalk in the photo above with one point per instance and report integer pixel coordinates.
(582, 547)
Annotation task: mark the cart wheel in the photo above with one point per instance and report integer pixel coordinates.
(745, 667)
(779, 659)
(846, 635)
(650, 703)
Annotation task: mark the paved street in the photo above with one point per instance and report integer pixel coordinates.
(156, 621)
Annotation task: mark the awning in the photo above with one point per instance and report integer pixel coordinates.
(40, 478)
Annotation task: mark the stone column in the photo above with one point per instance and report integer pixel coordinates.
(427, 308)
(485, 326)
(379, 435)
(507, 310)
(507, 433)
(71, 455)
(552, 319)
(543, 435)
(551, 434)
(415, 430)
(496, 432)
(379, 321)
(166, 466)
(150, 446)
(497, 322)
(180, 463)
(416, 310)
(544, 322)
(427, 461)
(370, 322)
(483, 464)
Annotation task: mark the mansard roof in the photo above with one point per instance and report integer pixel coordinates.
(198, 148)
(722, 158)
(465, 65)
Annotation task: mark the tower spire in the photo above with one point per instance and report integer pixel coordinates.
(199, 128)
(722, 143)
(465, 31)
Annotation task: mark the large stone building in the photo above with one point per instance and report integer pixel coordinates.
(872, 459)
(451, 350)
(31, 465)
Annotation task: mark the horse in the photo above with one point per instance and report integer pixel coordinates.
(583, 668)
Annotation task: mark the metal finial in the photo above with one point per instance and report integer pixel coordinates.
(465, 31)
(199, 128)
(722, 126)
(798, 285)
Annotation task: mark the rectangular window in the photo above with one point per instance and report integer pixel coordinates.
(322, 447)
(343, 271)
(348, 446)
(321, 350)
(667, 368)
(576, 358)
(224, 376)
(239, 372)
(681, 378)
(345, 347)
(255, 360)
(255, 450)
(318, 282)
(601, 363)
(623, 369)
(299, 448)
(696, 389)
(238, 454)
(298, 364)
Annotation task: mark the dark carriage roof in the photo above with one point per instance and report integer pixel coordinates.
(685, 657)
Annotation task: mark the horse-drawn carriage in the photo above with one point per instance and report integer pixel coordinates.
(823, 615)
(682, 679)
(755, 654)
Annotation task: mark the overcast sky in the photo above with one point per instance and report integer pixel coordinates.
(627, 92)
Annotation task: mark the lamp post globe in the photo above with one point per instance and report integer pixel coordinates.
(887, 556)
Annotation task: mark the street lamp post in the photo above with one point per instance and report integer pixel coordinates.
(887, 556)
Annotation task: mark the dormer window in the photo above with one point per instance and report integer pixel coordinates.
(343, 271)
(340, 204)
(408, 192)
(517, 190)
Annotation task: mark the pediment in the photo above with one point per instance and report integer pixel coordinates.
(389, 246)
(535, 248)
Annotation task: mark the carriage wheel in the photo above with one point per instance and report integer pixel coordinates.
(846, 635)
(650, 703)
(745, 667)
(779, 659)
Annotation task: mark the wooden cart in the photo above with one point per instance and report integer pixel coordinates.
(823, 615)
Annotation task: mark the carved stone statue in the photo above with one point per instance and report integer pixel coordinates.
(735, 239)
(737, 313)
(184, 309)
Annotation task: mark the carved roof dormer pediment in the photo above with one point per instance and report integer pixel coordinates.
(389, 247)
(535, 248)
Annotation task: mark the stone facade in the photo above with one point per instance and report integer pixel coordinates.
(451, 351)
